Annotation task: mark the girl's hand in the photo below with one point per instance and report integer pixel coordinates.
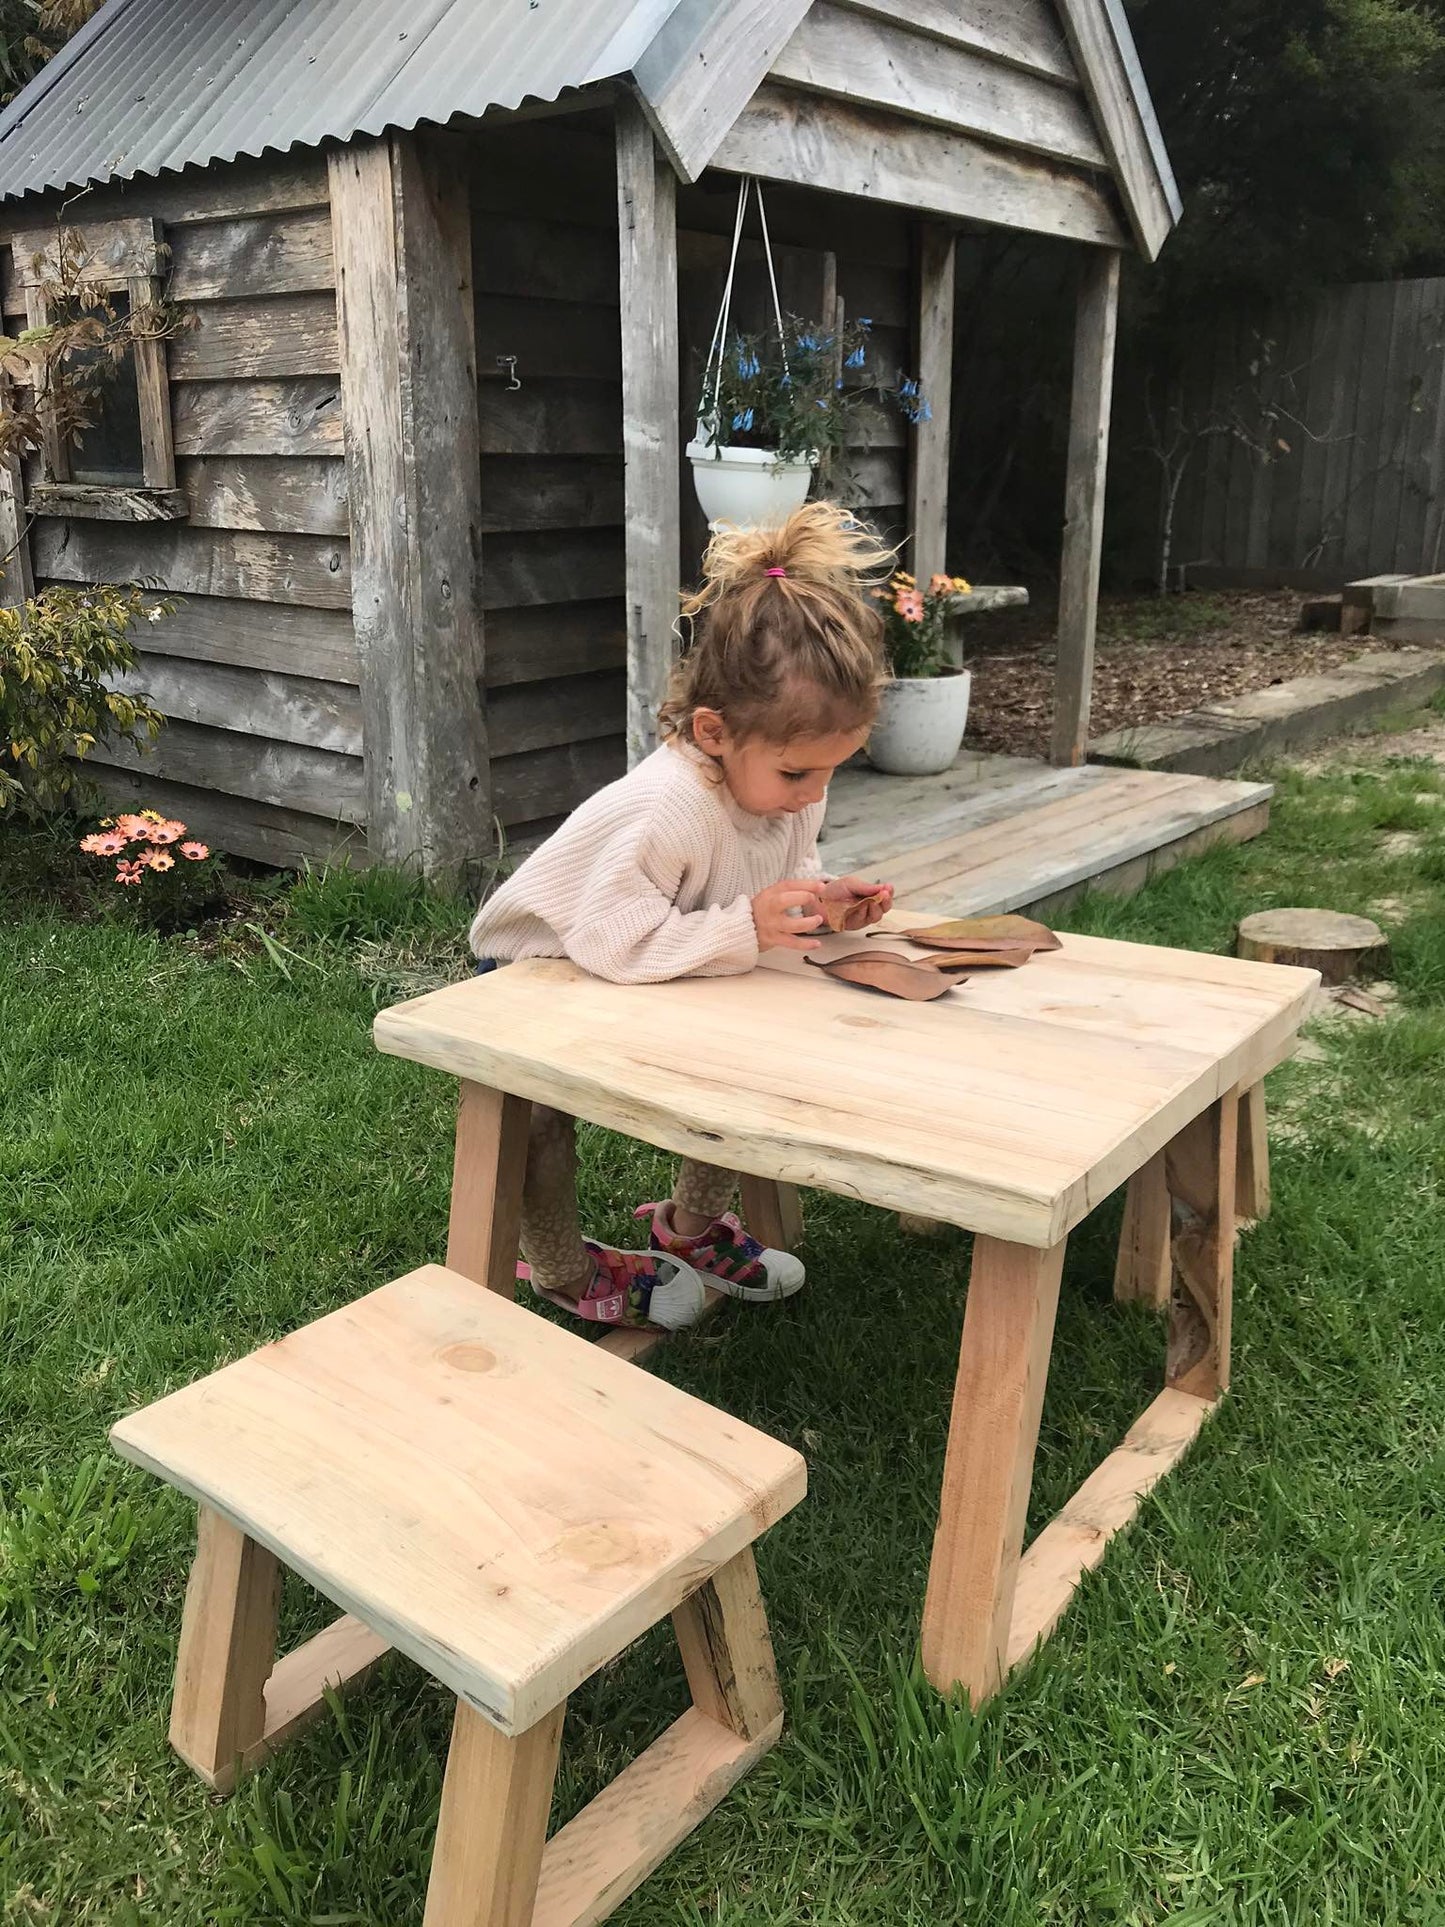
(777, 928)
(845, 889)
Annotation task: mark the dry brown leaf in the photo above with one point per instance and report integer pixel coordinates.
(983, 933)
(841, 914)
(975, 959)
(895, 976)
(1334, 1667)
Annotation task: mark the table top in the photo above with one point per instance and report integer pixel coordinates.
(507, 1504)
(1011, 1107)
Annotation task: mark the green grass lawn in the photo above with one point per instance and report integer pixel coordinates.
(1242, 1720)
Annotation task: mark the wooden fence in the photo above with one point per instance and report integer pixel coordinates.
(1314, 445)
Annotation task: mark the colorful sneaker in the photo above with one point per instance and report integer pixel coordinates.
(632, 1288)
(731, 1260)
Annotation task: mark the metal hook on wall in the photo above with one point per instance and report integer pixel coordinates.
(509, 363)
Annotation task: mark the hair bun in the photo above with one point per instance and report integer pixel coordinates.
(821, 544)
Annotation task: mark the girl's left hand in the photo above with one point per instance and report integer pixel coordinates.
(844, 889)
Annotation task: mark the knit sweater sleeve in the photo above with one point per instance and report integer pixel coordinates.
(625, 925)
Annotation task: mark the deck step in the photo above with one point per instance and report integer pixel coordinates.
(1040, 839)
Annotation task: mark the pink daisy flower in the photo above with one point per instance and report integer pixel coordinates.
(197, 852)
(129, 872)
(131, 826)
(103, 843)
(941, 585)
(165, 831)
(909, 605)
(158, 860)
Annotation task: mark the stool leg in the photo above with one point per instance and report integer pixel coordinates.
(493, 1822)
(727, 1654)
(227, 1650)
(1008, 1331)
(1201, 1168)
(1251, 1182)
(773, 1212)
(487, 1176)
(1142, 1270)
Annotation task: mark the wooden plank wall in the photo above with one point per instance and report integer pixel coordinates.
(258, 669)
(545, 267)
(1346, 393)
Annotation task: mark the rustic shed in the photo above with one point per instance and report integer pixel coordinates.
(414, 467)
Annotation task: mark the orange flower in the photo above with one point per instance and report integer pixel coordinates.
(158, 860)
(941, 585)
(132, 826)
(129, 872)
(909, 605)
(103, 843)
(164, 831)
(196, 852)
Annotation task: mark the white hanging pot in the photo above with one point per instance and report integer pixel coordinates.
(748, 488)
(920, 725)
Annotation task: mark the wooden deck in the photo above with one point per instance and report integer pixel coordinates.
(1005, 833)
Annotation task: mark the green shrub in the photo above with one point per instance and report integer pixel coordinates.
(56, 652)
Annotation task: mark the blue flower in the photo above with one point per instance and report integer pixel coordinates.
(808, 341)
(864, 322)
(743, 420)
(857, 358)
(822, 402)
(839, 382)
(908, 387)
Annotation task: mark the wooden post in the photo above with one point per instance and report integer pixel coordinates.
(1008, 1332)
(492, 1827)
(1143, 1269)
(17, 582)
(937, 250)
(722, 1633)
(647, 265)
(227, 1650)
(488, 1171)
(1201, 1165)
(401, 229)
(1094, 331)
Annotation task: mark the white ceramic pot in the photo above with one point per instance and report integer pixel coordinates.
(921, 720)
(748, 488)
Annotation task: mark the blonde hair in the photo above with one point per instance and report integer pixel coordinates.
(786, 642)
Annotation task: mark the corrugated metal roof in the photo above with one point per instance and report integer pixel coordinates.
(154, 84)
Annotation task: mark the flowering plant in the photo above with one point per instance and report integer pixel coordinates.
(915, 622)
(145, 847)
(797, 392)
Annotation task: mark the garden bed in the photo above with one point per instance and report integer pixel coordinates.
(1156, 658)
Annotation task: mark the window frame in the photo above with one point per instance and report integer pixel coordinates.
(122, 256)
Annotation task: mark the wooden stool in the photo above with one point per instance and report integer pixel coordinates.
(510, 1507)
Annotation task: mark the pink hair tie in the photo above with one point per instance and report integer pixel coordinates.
(776, 572)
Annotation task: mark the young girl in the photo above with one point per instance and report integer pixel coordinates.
(693, 863)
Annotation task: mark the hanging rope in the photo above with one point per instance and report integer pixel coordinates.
(712, 375)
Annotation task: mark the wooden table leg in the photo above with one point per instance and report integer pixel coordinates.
(773, 1212)
(487, 1178)
(492, 1827)
(1008, 1330)
(1201, 1164)
(227, 1650)
(1142, 1270)
(1251, 1184)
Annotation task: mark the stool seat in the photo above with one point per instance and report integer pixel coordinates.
(507, 1505)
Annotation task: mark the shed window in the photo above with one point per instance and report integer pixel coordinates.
(122, 466)
(110, 452)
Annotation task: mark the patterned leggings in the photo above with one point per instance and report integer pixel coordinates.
(551, 1234)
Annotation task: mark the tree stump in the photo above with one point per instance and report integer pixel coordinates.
(1337, 946)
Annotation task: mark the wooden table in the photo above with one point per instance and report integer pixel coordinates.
(1011, 1108)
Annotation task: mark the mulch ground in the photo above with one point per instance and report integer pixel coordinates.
(1156, 658)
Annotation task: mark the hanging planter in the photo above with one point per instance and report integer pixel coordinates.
(747, 487)
(773, 405)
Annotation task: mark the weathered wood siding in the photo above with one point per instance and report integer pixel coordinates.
(549, 378)
(258, 667)
(973, 110)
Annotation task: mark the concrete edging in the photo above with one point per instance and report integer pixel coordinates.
(1224, 736)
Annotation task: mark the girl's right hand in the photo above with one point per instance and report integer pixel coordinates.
(777, 928)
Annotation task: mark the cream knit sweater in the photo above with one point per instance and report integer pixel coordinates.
(651, 878)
